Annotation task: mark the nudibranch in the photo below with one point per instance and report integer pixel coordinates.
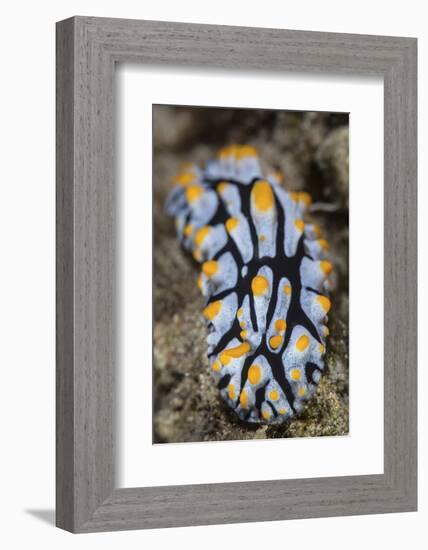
(265, 277)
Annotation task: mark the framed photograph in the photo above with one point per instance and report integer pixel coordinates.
(236, 274)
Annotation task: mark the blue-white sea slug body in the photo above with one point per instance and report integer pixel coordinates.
(265, 277)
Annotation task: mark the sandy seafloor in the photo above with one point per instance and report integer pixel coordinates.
(311, 149)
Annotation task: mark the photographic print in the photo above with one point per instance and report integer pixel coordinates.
(250, 274)
(224, 138)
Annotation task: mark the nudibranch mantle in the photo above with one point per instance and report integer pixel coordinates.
(265, 278)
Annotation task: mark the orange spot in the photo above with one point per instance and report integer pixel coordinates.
(287, 290)
(216, 366)
(193, 192)
(266, 414)
(229, 151)
(224, 153)
(301, 391)
(231, 391)
(200, 282)
(234, 353)
(212, 310)
(324, 303)
(326, 267)
(210, 268)
(243, 399)
(259, 285)
(243, 334)
(305, 197)
(231, 223)
(254, 374)
(302, 343)
(300, 224)
(295, 374)
(184, 179)
(201, 234)
(224, 358)
(280, 325)
(274, 395)
(221, 187)
(262, 196)
(188, 230)
(322, 348)
(245, 151)
(323, 244)
(275, 341)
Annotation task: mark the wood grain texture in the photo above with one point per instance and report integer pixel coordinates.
(87, 49)
(64, 276)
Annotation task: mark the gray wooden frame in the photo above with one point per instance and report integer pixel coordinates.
(87, 50)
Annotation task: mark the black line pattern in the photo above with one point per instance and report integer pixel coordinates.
(266, 344)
